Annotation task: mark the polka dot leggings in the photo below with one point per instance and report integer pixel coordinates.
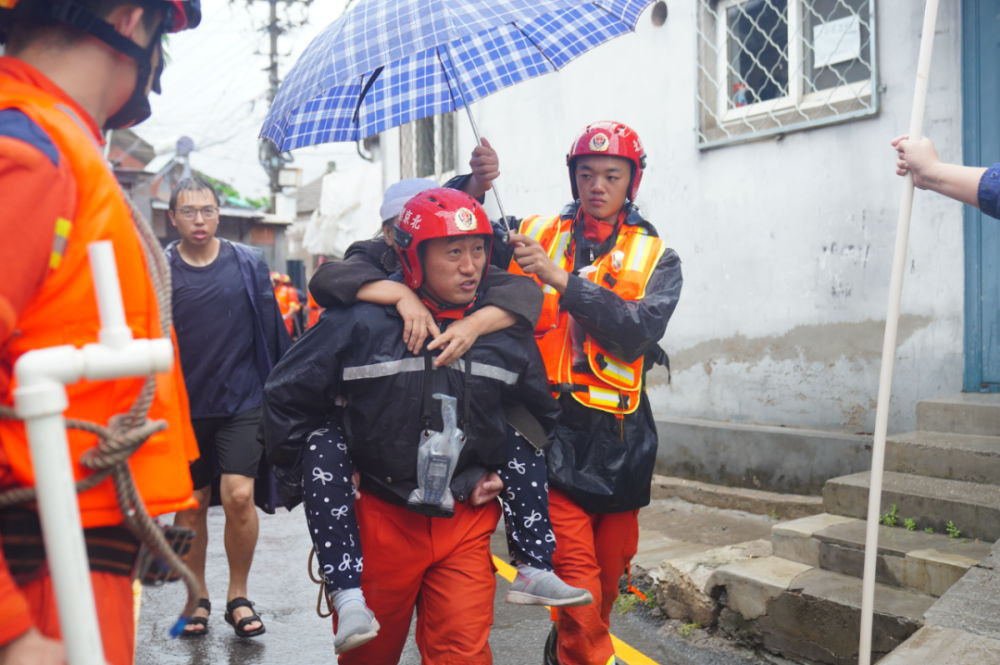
(329, 503)
(530, 539)
(333, 524)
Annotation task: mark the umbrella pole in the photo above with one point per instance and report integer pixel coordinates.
(889, 342)
(479, 141)
(475, 131)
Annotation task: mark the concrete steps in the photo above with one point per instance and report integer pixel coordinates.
(975, 414)
(945, 455)
(930, 502)
(812, 615)
(804, 600)
(911, 560)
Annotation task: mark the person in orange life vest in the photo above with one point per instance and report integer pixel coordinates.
(610, 287)
(294, 320)
(71, 69)
(288, 300)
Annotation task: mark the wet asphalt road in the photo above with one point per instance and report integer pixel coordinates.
(286, 601)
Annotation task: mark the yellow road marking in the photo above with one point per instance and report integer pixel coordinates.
(622, 650)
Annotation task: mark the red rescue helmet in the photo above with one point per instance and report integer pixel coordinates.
(610, 138)
(187, 15)
(437, 213)
(181, 14)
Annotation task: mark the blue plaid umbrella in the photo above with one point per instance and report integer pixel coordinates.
(389, 62)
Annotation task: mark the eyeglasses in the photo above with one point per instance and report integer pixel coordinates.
(208, 213)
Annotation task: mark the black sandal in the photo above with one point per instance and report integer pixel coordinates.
(236, 603)
(198, 621)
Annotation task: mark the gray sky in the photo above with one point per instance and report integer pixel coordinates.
(215, 86)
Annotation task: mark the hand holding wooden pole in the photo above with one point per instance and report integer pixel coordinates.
(889, 343)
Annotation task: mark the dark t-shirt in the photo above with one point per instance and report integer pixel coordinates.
(214, 319)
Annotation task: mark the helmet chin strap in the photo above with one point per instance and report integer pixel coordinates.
(136, 108)
(441, 306)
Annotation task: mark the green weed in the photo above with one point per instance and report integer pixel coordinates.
(890, 518)
(685, 630)
(953, 531)
(910, 524)
(929, 529)
(625, 603)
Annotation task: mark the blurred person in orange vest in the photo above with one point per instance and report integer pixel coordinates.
(314, 308)
(288, 300)
(73, 68)
(293, 321)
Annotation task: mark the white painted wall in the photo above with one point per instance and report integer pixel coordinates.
(786, 245)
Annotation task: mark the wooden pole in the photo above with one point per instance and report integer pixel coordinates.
(889, 343)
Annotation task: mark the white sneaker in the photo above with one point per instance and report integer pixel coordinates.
(545, 588)
(356, 625)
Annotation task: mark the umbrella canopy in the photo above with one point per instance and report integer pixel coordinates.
(389, 62)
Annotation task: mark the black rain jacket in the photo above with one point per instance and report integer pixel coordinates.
(603, 463)
(357, 353)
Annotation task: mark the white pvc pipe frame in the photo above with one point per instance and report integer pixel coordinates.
(889, 342)
(40, 400)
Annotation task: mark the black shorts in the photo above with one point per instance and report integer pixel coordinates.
(227, 445)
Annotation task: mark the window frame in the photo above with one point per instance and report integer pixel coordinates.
(408, 144)
(796, 98)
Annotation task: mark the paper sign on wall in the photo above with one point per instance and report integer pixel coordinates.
(836, 41)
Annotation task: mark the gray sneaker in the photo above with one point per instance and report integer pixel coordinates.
(355, 626)
(546, 588)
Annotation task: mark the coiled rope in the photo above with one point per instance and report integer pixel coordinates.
(127, 432)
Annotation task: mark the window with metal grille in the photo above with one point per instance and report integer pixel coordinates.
(427, 148)
(768, 67)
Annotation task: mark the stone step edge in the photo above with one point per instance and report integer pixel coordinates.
(961, 457)
(935, 491)
(932, 571)
(758, 502)
(933, 645)
(976, 408)
(908, 438)
(815, 526)
(752, 583)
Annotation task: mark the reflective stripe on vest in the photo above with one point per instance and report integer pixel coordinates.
(64, 311)
(614, 385)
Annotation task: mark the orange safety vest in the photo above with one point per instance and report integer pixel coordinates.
(612, 384)
(288, 304)
(64, 311)
(314, 311)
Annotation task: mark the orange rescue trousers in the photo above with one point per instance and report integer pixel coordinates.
(443, 567)
(592, 552)
(113, 595)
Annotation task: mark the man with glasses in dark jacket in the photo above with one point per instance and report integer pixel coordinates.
(230, 334)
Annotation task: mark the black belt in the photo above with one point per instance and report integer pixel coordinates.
(569, 387)
(110, 549)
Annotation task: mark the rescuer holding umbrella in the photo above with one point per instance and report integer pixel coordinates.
(610, 286)
(71, 69)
